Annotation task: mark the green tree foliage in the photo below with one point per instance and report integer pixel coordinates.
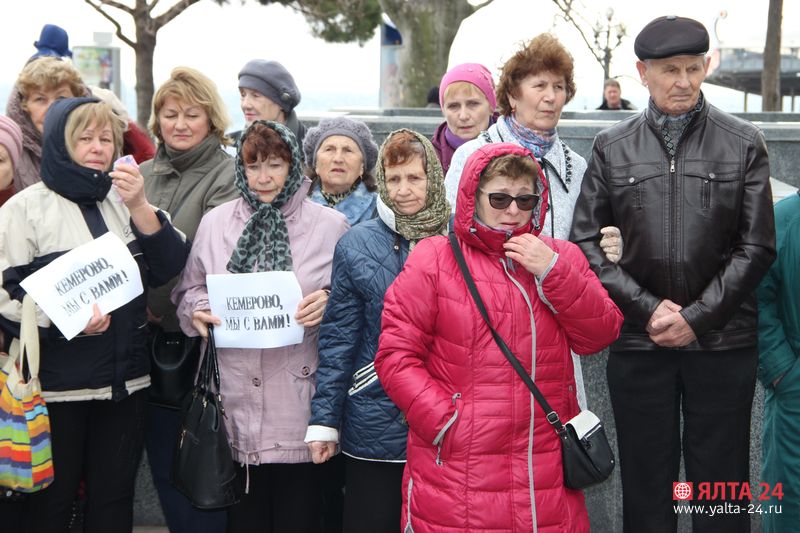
(337, 21)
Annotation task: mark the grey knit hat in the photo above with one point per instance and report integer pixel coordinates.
(353, 129)
(271, 79)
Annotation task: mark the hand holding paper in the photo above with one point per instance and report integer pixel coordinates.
(201, 318)
(311, 308)
(98, 323)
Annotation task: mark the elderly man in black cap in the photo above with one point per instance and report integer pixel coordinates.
(688, 186)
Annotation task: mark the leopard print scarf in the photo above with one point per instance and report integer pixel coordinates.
(264, 243)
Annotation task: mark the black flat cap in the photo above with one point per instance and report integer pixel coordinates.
(671, 36)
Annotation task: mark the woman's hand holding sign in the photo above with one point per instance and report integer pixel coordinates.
(311, 308)
(98, 323)
(202, 317)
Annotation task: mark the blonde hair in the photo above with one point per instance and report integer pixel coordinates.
(83, 116)
(192, 87)
(470, 88)
(48, 73)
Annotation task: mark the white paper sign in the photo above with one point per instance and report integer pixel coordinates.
(102, 271)
(257, 310)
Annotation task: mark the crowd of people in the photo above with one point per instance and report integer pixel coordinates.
(398, 410)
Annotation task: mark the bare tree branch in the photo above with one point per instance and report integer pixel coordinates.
(152, 6)
(173, 12)
(565, 6)
(111, 3)
(122, 36)
(577, 12)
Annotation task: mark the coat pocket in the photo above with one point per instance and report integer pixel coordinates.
(444, 439)
(712, 186)
(635, 185)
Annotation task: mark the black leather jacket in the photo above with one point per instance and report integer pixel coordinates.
(697, 228)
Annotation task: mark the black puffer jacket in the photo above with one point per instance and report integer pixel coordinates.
(698, 228)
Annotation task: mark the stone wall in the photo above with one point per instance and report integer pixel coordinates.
(578, 128)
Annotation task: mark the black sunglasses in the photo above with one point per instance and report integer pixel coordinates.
(501, 200)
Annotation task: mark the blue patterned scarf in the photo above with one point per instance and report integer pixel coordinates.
(537, 141)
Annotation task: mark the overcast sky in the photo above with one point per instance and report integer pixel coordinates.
(219, 40)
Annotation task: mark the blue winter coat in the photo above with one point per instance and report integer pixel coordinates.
(349, 396)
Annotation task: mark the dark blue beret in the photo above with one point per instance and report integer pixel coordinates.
(671, 36)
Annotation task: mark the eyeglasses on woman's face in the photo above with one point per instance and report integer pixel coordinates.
(501, 200)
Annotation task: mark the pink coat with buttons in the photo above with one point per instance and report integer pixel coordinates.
(267, 393)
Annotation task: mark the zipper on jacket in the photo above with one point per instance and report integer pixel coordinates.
(440, 437)
(509, 262)
(672, 269)
(673, 230)
(398, 240)
(533, 374)
(408, 528)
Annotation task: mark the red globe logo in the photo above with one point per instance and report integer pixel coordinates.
(682, 490)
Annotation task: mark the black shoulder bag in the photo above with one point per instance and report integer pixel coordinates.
(174, 357)
(203, 468)
(173, 364)
(586, 454)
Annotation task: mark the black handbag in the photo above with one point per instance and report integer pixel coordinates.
(203, 468)
(586, 455)
(173, 364)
